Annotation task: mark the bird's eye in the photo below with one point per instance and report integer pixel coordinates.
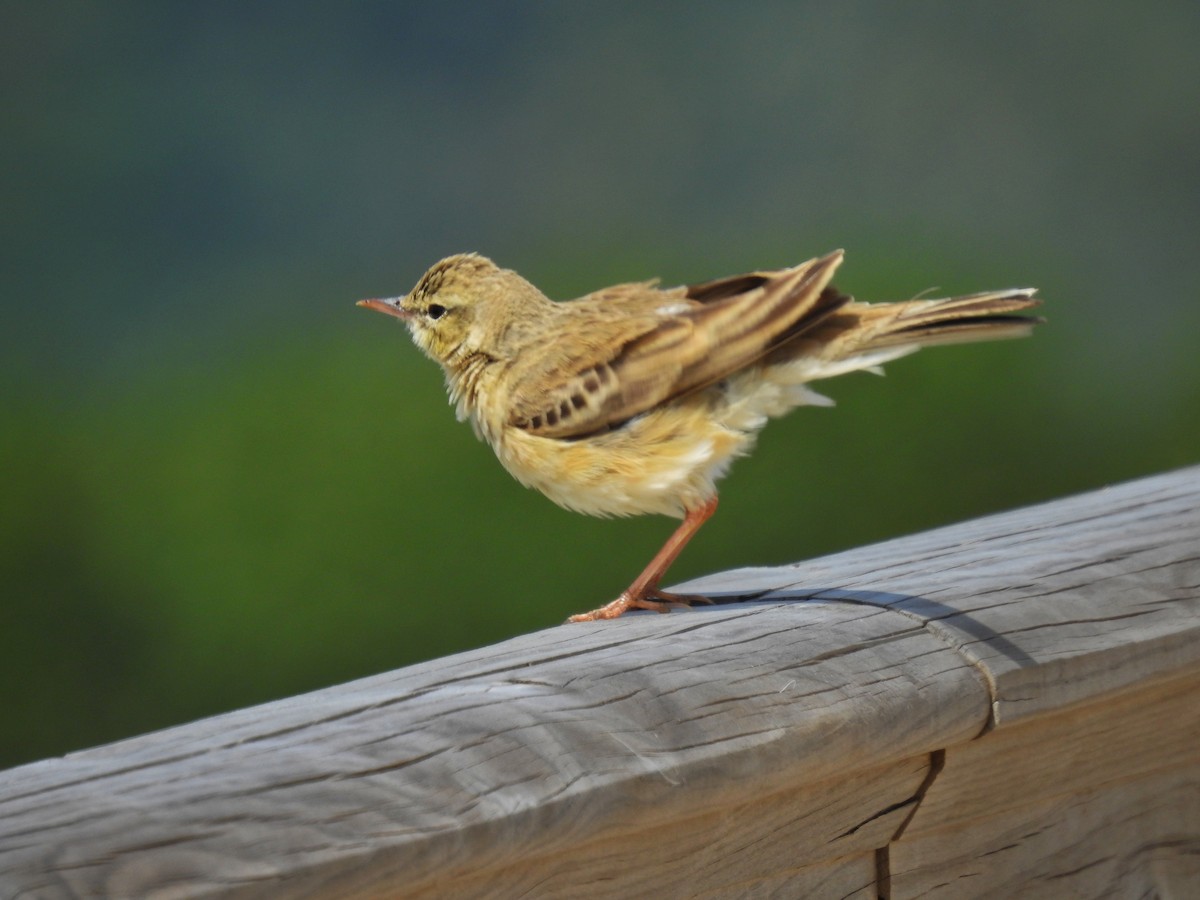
(435, 311)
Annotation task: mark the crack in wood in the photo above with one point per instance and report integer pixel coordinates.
(937, 761)
(883, 873)
(883, 855)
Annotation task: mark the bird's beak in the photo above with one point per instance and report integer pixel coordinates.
(391, 306)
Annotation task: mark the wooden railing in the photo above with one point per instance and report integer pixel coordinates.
(1007, 707)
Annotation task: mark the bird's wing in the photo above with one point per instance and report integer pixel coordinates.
(617, 366)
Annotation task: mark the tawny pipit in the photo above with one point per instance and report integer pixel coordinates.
(635, 399)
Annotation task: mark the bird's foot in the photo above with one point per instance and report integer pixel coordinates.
(651, 598)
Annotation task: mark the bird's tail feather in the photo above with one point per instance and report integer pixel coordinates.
(863, 336)
(975, 317)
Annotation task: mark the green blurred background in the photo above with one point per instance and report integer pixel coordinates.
(222, 483)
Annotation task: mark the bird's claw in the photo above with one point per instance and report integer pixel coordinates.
(652, 598)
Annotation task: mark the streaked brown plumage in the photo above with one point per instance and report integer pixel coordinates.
(636, 399)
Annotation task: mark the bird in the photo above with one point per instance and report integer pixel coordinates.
(635, 399)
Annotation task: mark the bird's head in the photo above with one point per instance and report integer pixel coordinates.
(447, 312)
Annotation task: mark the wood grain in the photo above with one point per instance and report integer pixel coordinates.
(1055, 603)
(471, 763)
(1130, 839)
(1133, 735)
(873, 722)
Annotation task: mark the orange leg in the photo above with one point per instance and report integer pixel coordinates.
(644, 592)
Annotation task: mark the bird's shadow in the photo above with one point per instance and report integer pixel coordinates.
(922, 609)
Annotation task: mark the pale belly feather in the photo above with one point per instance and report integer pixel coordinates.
(666, 461)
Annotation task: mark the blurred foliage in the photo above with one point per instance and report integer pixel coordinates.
(223, 484)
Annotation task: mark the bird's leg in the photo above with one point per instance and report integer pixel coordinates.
(644, 592)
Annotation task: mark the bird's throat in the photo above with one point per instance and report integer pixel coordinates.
(468, 376)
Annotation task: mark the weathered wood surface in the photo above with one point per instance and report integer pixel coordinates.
(997, 708)
(1103, 800)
